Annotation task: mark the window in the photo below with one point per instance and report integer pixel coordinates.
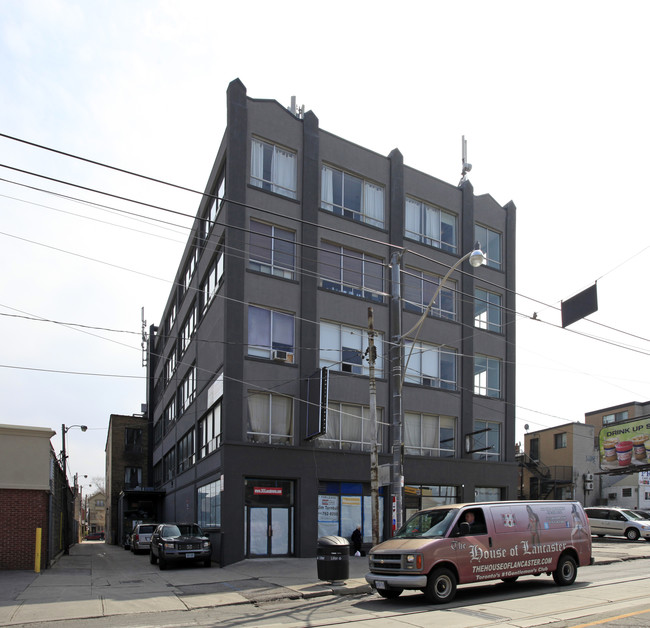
(190, 267)
(430, 225)
(132, 477)
(170, 415)
(157, 474)
(534, 448)
(189, 327)
(430, 365)
(168, 465)
(487, 310)
(270, 419)
(347, 195)
(348, 427)
(157, 431)
(133, 439)
(187, 390)
(212, 281)
(209, 504)
(351, 272)
(626, 492)
(560, 440)
(273, 168)
(209, 432)
(614, 418)
(429, 435)
(490, 245)
(99, 503)
(342, 348)
(185, 454)
(489, 440)
(216, 204)
(269, 331)
(272, 250)
(170, 365)
(487, 376)
(419, 288)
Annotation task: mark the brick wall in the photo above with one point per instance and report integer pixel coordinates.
(21, 512)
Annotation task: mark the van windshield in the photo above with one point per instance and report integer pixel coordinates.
(427, 524)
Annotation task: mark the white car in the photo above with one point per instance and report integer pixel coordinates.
(618, 522)
(141, 537)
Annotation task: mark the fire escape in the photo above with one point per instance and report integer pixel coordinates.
(544, 482)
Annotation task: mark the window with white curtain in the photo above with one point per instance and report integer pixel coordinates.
(272, 250)
(430, 365)
(268, 331)
(429, 435)
(490, 242)
(487, 376)
(351, 272)
(346, 195)
(349, 428)
(342, 348)
(270, 419)
(273, 168)
(430, 225)
(488, 439)
(419, 288)
(487, 310)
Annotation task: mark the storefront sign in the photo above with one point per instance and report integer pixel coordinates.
(266, 490)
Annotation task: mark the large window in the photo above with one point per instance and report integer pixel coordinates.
(430, 225)
(212, 281)
(487, 310)
(133, 439)
(347, 195)
(187, 390)
(132, 477)
(170, 365)
(273, 168)
(185, 451)
(190, 267)
(429, 435)
(349, 428)
(189, 327)
(209, 431)
(209, 504)
(419, 288)
(488, 439)
(560, 440)
(272, 250)
(171, 318)
(270, 419)
(169, 465)
(351, 272)
(170, 414)
(270, 334)
(430, 365)
(216, 204)
(487, 376)
(342, 348)
(490, 242)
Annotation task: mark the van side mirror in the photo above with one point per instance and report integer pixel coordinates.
(464, 528)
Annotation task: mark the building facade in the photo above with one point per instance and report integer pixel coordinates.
(302, 238)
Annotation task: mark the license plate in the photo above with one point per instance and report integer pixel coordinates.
(380, 584)
(189, 555)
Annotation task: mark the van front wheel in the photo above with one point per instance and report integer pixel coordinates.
(566, 571)
(632, 534)
(390, 594)
(441, 586)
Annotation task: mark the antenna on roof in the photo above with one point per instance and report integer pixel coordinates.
(299, 112)
(466, 166)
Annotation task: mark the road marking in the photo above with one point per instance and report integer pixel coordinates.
(602, 621)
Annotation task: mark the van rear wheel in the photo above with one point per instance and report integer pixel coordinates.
(510, 580)
(566, 571)
(441, 586)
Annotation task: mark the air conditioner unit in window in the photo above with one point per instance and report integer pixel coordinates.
(282, 356)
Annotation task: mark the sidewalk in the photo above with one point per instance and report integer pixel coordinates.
(99, 580)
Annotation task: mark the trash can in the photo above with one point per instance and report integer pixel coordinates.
(333, 558)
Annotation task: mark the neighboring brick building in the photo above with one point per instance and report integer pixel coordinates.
(97, 512)
(29, 475)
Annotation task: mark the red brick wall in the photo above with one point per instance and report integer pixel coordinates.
(21, 512)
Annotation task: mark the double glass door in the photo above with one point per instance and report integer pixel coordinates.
(269, 531)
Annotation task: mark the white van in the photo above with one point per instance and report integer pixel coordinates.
(439, 548)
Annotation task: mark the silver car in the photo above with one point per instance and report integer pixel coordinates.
(618, 522)
(141, 537)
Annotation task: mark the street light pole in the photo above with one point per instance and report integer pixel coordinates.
(399, 369)
(66, 514)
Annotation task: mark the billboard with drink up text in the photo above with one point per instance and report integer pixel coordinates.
(623, 445)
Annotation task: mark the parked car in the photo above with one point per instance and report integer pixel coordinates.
(179, 542)
(95, 536)
(618, 522)
(140, 538)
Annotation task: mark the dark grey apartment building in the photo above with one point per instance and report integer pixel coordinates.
(298, 234)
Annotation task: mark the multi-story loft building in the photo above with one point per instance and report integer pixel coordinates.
(298, 234)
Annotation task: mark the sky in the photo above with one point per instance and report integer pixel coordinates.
(551, 97)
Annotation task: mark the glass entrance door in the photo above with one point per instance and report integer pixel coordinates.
(269, 531)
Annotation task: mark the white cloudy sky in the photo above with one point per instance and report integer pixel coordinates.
(552, 97)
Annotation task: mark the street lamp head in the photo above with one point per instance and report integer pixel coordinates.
(477, 257)
(84, 428)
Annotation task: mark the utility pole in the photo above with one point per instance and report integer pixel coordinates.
(374, 456)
